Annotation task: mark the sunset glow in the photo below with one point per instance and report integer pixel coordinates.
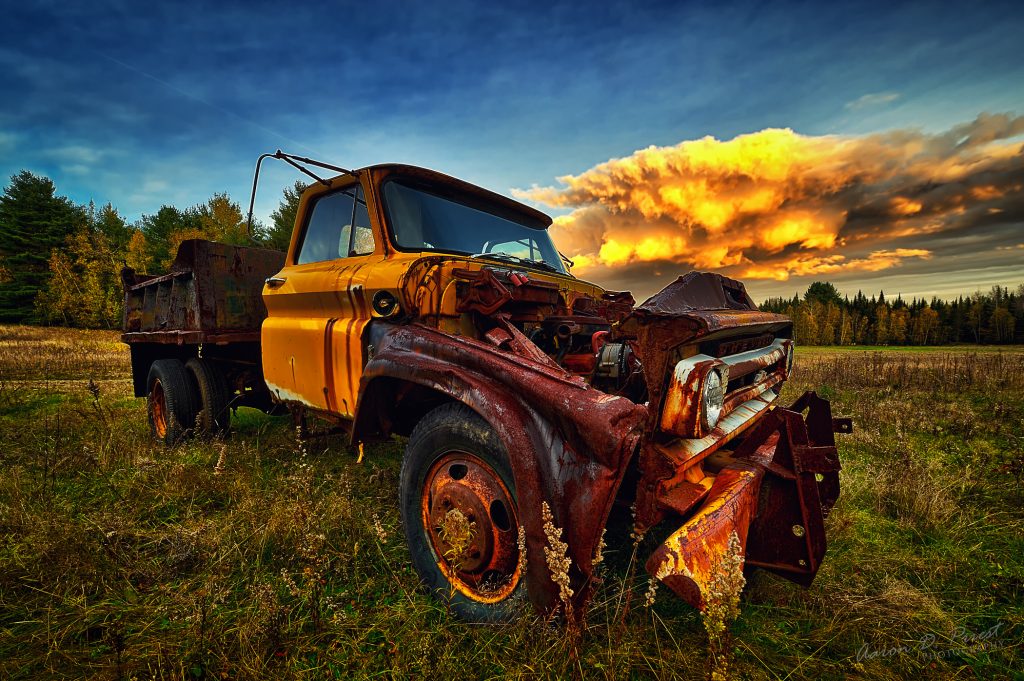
(776, 204)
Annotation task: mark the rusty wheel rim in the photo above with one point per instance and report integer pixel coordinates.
(472, 527)
(158, 409)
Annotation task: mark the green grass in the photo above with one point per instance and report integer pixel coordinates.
(120, 559)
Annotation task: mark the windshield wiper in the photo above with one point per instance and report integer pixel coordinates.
(544, 265)
(508, 257)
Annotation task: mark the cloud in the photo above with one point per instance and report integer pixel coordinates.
(775, 204)
(872, 99)
(803, 265)
(8, 140)
(76, 153)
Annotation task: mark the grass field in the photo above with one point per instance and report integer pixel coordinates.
(265, 558)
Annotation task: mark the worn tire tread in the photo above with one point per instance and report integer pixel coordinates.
(214, 413)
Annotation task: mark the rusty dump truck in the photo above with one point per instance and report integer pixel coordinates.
(411, 303)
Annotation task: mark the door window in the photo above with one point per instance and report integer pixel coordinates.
(329, 232)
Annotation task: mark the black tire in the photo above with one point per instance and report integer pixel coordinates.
(214, 413)
(493, 585)
(172, 401)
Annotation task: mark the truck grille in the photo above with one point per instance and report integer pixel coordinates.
(734, 346)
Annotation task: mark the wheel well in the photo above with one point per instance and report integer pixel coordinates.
(143, 356)
(395, 406)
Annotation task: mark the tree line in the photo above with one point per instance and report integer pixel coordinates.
(823, 317)
(60, 262)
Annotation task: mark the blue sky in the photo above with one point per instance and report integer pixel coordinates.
(146, 104)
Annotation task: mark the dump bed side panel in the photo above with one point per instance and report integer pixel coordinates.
(213, 293)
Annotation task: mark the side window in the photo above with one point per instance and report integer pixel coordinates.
(330, 234)
(362, 238)
(327, 233)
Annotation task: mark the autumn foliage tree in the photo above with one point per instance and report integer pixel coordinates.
(823, 317)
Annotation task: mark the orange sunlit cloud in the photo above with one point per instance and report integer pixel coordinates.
(775, 204)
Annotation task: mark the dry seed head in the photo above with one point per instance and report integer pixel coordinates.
(722, 598)
(457, 532)
(522, 549)
(599, 551)
(721, 607)
(636, 534)
(290, 584)
(222, 460)
(556, 553)
(379, 529)
(664, 570)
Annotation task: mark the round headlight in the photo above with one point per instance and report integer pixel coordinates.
(712, 399)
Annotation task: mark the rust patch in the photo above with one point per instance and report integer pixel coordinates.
(773, 491)
(472, 525)
(694, 551)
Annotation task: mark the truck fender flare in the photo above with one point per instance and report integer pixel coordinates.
(546, 465)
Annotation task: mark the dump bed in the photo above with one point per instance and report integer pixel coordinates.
(213, 294)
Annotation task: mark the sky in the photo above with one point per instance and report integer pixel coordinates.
(878, 146)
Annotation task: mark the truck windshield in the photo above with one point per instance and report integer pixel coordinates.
(421, 220)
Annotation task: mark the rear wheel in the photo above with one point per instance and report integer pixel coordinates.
(172, 402)
(214, 413)
(460, 514)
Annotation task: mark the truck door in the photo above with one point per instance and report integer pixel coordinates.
(317, 306)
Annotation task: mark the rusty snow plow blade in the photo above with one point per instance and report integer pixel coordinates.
(773, 491)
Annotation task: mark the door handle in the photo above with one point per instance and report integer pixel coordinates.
(274, 282)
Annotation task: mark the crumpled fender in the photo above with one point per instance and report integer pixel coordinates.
(568, 444)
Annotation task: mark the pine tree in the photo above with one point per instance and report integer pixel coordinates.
(824, 292)
(279, 235)
(113, 226)
(33, 221)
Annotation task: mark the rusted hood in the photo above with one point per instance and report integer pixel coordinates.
(697, 291)
(698, 304)
(695, 307)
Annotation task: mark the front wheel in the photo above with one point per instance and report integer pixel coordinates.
(461, 519)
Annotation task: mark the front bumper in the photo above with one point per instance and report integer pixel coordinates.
(772, 491)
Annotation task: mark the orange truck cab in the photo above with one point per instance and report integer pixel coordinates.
(411, 303)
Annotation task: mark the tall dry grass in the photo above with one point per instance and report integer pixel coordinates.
(35, 353)
(264, 557)
(929, 371)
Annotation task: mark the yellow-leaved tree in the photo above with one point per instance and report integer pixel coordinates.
(219, 219)
(84, 287)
